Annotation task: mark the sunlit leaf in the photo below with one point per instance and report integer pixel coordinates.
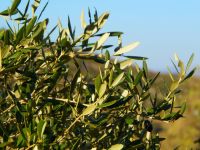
(126, 48)
(102, 19)
(118, 79)
(182, 69)
(102, 89)
(35, 6)
(116, 147)
(126, 63)
(174, 85)
(89, 109)
(102, 40)
(83, 22)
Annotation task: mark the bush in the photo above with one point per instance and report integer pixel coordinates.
(49, 99)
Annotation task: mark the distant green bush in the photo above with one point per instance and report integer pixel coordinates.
(50, 100)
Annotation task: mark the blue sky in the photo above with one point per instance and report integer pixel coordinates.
(162, 27)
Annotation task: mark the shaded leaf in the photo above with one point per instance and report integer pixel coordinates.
(138, 77)
(183, 107)
(107, 104)
(111, 34)
(14, 6)
(189, 62)
(74, 80)
(190, 74)
(97, 83)
(136, 57)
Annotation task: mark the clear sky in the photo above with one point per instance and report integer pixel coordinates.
(162, 27)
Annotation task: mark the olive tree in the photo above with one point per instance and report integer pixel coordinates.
(50, 98)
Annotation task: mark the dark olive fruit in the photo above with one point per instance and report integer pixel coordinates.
(148, 126)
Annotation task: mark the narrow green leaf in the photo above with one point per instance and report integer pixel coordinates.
(174, 86)
(83, 22)
(102, 89)
(30, 25)
(145, 69)
(52, 30)
(89, 14)
(89, 110)
(43, 10)
(181, 66)
(189, 62)
(70, 28)
(107, 55)
(136, 57)
(41, 128)
(9, 26)
(116, 147)
(95, 15)
(97, 83)
(4, 13)
(102, 40)
(138, 77)
(111, 34)
(39, 30)
(107, 104)
(74, 80)
(118, 79)
(110, 78)
(170, 74)
(183, 107)
(175, 66)
(6, 37)
(1, 34)
(190, 74)
(14, 6)
(154, 79)
(125, 63)
(126, 48)
(35, 6)
(7, 12)
(26, 8)
(102, 20)
(20, 35)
